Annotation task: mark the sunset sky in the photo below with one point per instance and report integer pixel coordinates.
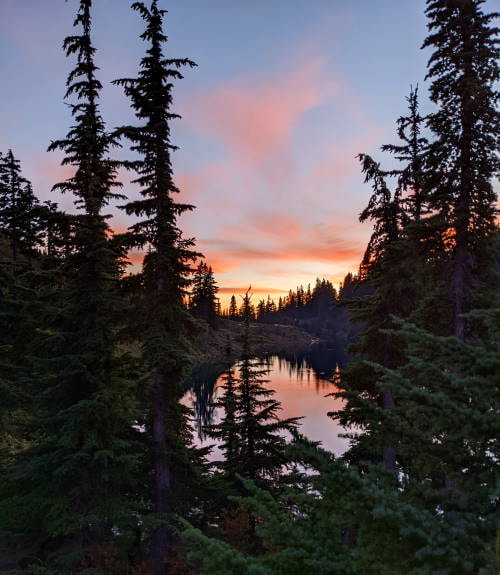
(285, 95)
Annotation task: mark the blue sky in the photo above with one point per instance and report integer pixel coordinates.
(286, 93)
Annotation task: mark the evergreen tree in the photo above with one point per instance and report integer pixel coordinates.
(344, 519)
(412, 152)
(463, 157)
(57, 230)
(389, 274)
(204, 301)
(165, 324)
(18, 223)
(261, 309)
(308, 294)
(270, 305)
(233, 308)
(226, 432)
(77, 479)
(257, 448)
(251, 440)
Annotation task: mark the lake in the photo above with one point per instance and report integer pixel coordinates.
(302, 380)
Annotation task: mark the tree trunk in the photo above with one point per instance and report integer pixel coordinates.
(462, 265)
(162, 478)
(389, 454)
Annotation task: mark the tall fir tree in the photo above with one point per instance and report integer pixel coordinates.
(412, 152)
(252, 439)
(166, 325)
(77, 480)
(392, 257)
(256, 446)
(203, 296)
(261, 445)
(18, 209)
(463, 157)
(233, 308)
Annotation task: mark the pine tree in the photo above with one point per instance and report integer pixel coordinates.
(257, 446)
(227, 430)
(397, 281)
(390, 260)
(204, 301)
(344, 519)
(412, 152)
(78, 479)
(463, 157)
(251, 439)
(18, 204)
(261, 309)
(165, 323)
(57, 230)
(233, 308)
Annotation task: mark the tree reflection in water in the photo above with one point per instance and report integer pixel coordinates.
(301, 380)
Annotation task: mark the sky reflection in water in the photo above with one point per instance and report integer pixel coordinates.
(301, 383)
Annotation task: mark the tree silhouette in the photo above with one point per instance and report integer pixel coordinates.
(84, 458)
(463, 157)
(165, 323)
(18, 208)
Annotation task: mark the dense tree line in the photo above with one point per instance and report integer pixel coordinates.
(98, 470)
(321, 310)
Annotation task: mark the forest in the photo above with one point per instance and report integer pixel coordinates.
(100, 473)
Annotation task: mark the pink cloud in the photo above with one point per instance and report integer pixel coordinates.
(255, 117)
(340, 162)
(194, 185)
(276, 224)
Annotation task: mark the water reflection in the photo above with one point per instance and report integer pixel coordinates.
(301, 380)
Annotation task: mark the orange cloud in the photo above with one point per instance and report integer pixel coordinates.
(135, 257)
(220, 264)
(235, 256)
(305, 253)
(243, 289)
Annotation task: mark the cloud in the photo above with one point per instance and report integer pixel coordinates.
(338, 252)
(254, 117)
(340, 162)
(277, 224)
(255, 290)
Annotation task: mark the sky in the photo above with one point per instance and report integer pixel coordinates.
(285, 95)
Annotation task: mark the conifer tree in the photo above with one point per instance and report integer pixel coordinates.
(387, 271)
(251, 438)
(18, 204)
(78, 479)
(463, 158)
(204, 301)
(57, 230)
(227, 431)
(380, 268)
(304, 529)
(412, 152)
(257, 445)
(261, 309)
(233, 308)
(165, 323)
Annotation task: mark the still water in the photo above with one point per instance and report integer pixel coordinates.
(301, 380)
